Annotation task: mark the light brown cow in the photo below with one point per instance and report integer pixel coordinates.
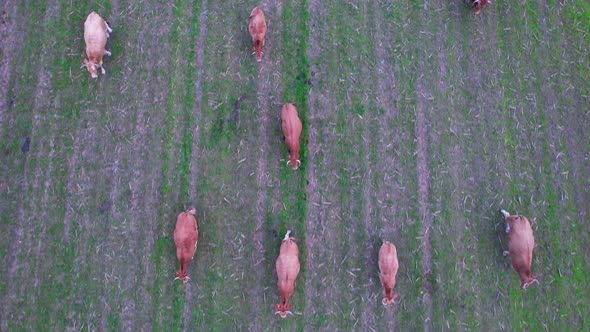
(520, 247)
(478, 4)
(96, 32)
(186, 236)
(257, 29)
(291, 125)
(388, 266)
(287, 270)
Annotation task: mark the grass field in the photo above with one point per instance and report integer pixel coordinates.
(420, 121)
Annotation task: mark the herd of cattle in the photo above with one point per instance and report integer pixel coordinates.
(520, 234)
(520, 250)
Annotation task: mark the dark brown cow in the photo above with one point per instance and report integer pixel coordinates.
(388, 266)
(257, 29)
(478, 4)
(186, 236)
(287, 270)
(291, 125)
(520, 247)
(96, 32)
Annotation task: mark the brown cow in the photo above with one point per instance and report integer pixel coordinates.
(257, 29)
(292, 130)
(96, 32)
(478, 4)
(186, 236)
(287, 270)
(520, 247)
(388, 266)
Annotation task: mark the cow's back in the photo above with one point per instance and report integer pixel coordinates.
(521, 242)
(257, 26)
(388, 263)
(290, 123)
(287, 264)
(95, 34)
(186, 233)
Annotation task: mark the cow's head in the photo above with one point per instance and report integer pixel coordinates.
(479, 4)
(182, 276)
(530, 281)
(92, 68)
(388, 298)
(283, 310)
(192, 210)
(294, 161)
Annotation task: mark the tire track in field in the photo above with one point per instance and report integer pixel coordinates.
(562, 142)
(388, 194)
(128, 175)
(79, 177)
(10, 49)
(423, 195)
(146, 180)
(314, 236)
(328, 230)
(197, 111)
(263, 177)
(41, 177)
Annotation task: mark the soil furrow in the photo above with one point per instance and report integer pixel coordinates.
(423, 195)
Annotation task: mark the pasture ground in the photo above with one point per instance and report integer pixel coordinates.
(421, 120)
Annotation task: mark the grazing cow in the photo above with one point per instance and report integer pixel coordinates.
(478, 4)
(96, 32)
(257, 29)
(520, 247)
(388, 266)
(287, 270)
(292, 130)
(186, 236)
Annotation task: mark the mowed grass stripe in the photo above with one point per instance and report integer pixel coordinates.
(175, 163)
(557, 172)
(323, 226)
(448, 188)
(409, 281)
(294, 64)
(16, 170)
(517, 128)
(225, 185)
(42, 162)
(526, 166)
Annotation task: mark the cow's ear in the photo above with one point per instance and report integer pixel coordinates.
(287, 306)
(278, 306)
